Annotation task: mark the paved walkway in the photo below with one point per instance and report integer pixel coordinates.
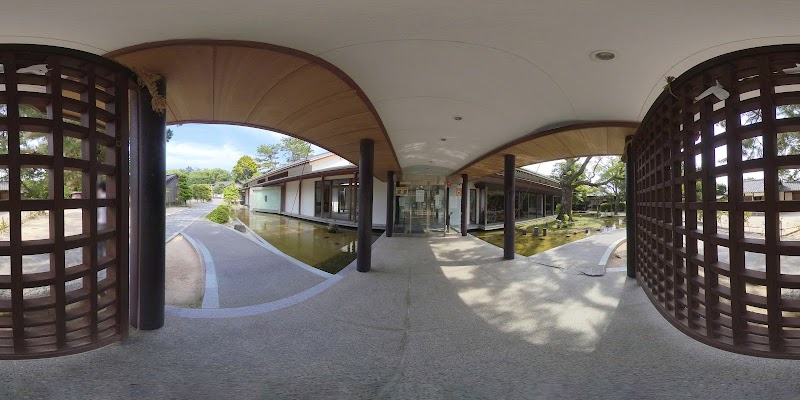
(179, 218)
(436, 318)
(586, 256)
(246, 272)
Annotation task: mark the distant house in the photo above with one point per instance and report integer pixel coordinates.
(172, 189)
(223, 184)
(754, 190)
(4, 190)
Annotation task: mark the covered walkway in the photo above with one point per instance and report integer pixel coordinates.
(436, 318)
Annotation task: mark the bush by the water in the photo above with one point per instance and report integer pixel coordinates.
(605, 207)
(221, 214)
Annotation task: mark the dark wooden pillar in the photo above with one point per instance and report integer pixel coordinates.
(509, 175)
(390, 204)
(366, 164)
(630, 209)
(148, 219)
(464, 199)
(447, 209)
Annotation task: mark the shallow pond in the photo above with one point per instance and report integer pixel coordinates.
(529, 244)
(306, 241)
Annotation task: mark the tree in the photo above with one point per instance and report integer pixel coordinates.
(244, 169)
(169, 134)
(571, 174)
(184, 190)
(788, 142)
(201, 192)
(612, 174)
(219, 189)
(231, 194)
(268, 156)
(296, 149)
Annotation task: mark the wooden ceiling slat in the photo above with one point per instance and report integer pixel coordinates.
(262, 85)
(242, 77)
(578, 140)
(302, 87)
(324, 110)
(183, 68)
(338, 126)
(596, 140)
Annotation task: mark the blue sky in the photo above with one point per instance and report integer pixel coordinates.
(216, 146)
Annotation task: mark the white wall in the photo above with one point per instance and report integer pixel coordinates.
(308, 197)
(300, 170)
(378, 202)
(292, 198)
(329, 162)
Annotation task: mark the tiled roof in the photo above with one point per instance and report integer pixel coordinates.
(757, 186)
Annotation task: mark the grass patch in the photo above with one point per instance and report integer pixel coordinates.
(558, 233)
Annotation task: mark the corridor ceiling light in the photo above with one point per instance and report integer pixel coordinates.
(716, 90)
(458, 118)
(793, 70)
(443, 139)
(603, 55)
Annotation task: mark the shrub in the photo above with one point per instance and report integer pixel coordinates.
(231, 194)
(221, 214)
(606, 207)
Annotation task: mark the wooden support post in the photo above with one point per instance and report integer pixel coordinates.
(508, 224)
(366, 165)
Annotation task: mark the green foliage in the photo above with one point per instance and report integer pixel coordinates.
(244, 169)
(722, 189)
(203, 176)
(35, 184)
(295, 149)
(184, 189)
(221, 214)
(607, 207)
(268, 156)
(169, 134)
(201, 192)
(231, 194)
(219, 189)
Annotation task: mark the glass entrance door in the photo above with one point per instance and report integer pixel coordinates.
(420, 209)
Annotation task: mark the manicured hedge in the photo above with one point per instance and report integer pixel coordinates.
(221, 214)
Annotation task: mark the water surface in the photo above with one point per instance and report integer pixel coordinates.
(306, 241)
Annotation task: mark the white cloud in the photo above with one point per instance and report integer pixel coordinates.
(180, 155)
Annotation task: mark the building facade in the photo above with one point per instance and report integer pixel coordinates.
(323, 189)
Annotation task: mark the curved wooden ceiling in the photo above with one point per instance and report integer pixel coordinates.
(265, 86)
(578, 140)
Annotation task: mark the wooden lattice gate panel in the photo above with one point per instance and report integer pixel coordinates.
(64, 119)
(707, 171)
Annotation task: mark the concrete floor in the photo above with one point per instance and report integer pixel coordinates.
(436, 318)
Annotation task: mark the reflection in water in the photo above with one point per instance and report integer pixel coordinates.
(306, 241)
(528, 244)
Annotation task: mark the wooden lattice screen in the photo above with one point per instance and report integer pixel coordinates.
(64, 119)
(717, 243)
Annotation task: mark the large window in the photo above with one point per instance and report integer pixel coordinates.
(322, 195)
(342, 199)
(335, 199)
(528, 205)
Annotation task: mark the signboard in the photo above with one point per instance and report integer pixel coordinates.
(420, 195)
(401, 191)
